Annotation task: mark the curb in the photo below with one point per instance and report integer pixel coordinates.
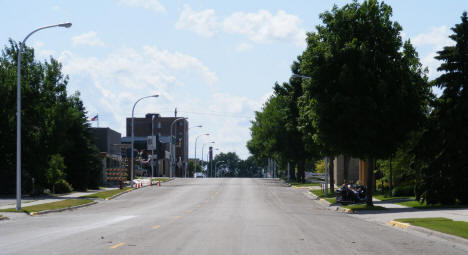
(429, 232)
(328, 204)
(62, 209)
(398, 224)
(119, 194)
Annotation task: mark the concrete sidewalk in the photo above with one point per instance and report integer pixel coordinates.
(395, 211)
(10, 202)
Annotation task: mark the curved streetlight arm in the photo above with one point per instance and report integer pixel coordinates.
(18, 113)
(196, 149)
(131, 152)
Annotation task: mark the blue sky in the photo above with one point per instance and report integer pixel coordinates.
(216, 61)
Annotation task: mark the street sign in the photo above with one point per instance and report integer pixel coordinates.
(151, 143)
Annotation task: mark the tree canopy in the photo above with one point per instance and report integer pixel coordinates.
(53, 123)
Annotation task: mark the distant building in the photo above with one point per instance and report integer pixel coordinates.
(161, 125)
(108, 143)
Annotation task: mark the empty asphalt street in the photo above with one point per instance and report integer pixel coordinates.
(211, 216)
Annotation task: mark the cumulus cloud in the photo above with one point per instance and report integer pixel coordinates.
(259, 27)
(263, 26)
(203, 23)
(153, 5)
(90, 39)
(435, 39)
(110, 85)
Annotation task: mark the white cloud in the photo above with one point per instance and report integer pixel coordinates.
(113, 83)
(40, 51)
(437, 37)
(262, 26)
(56, 8)
(203, 23)
(434, 41)
(154, 5)
(242, 47)
(90, 38)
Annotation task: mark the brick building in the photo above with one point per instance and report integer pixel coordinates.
(142, 129)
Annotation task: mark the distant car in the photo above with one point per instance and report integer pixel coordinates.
(198, 175)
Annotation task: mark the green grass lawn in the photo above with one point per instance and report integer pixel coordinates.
(383, 198)
(363, 207)
(107, 193)
(161, 179)
(331, 200)
(300, 184)
(444, 225)
(320, 193)
(50, 206)
(417, 205)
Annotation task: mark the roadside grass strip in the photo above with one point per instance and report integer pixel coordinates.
(108, 193)
(50, 206)
(330, 198)
(384, 198)
(161, 179)
(321, 194)
(303, 185)
(363, 207)
(418, 205)
(444, 225)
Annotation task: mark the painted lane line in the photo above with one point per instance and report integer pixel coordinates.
(177, 217)
(156, 227)
(189, 211)
(117, 245)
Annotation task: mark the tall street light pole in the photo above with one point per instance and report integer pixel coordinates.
(18, 113)
(133, 137)
(211, 165)
(186, 165)
(196, 150)
(203, 147)
(152, 146)
(171, 147)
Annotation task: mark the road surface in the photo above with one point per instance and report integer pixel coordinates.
(211, 216)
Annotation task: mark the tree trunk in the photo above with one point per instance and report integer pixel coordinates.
(370, 180)
(331, 175)
(391, 176)
(300, 171)
(292, 172)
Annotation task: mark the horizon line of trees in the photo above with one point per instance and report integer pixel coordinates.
(359, 90)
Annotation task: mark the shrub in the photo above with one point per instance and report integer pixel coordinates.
(63, 186)
(403, 190)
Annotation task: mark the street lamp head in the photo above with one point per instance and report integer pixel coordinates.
(155, 95)
(206, 134)
(66, 25)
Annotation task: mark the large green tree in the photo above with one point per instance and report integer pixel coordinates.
(441, 155)
(275, 130)
(366, 88)
(52, 123)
